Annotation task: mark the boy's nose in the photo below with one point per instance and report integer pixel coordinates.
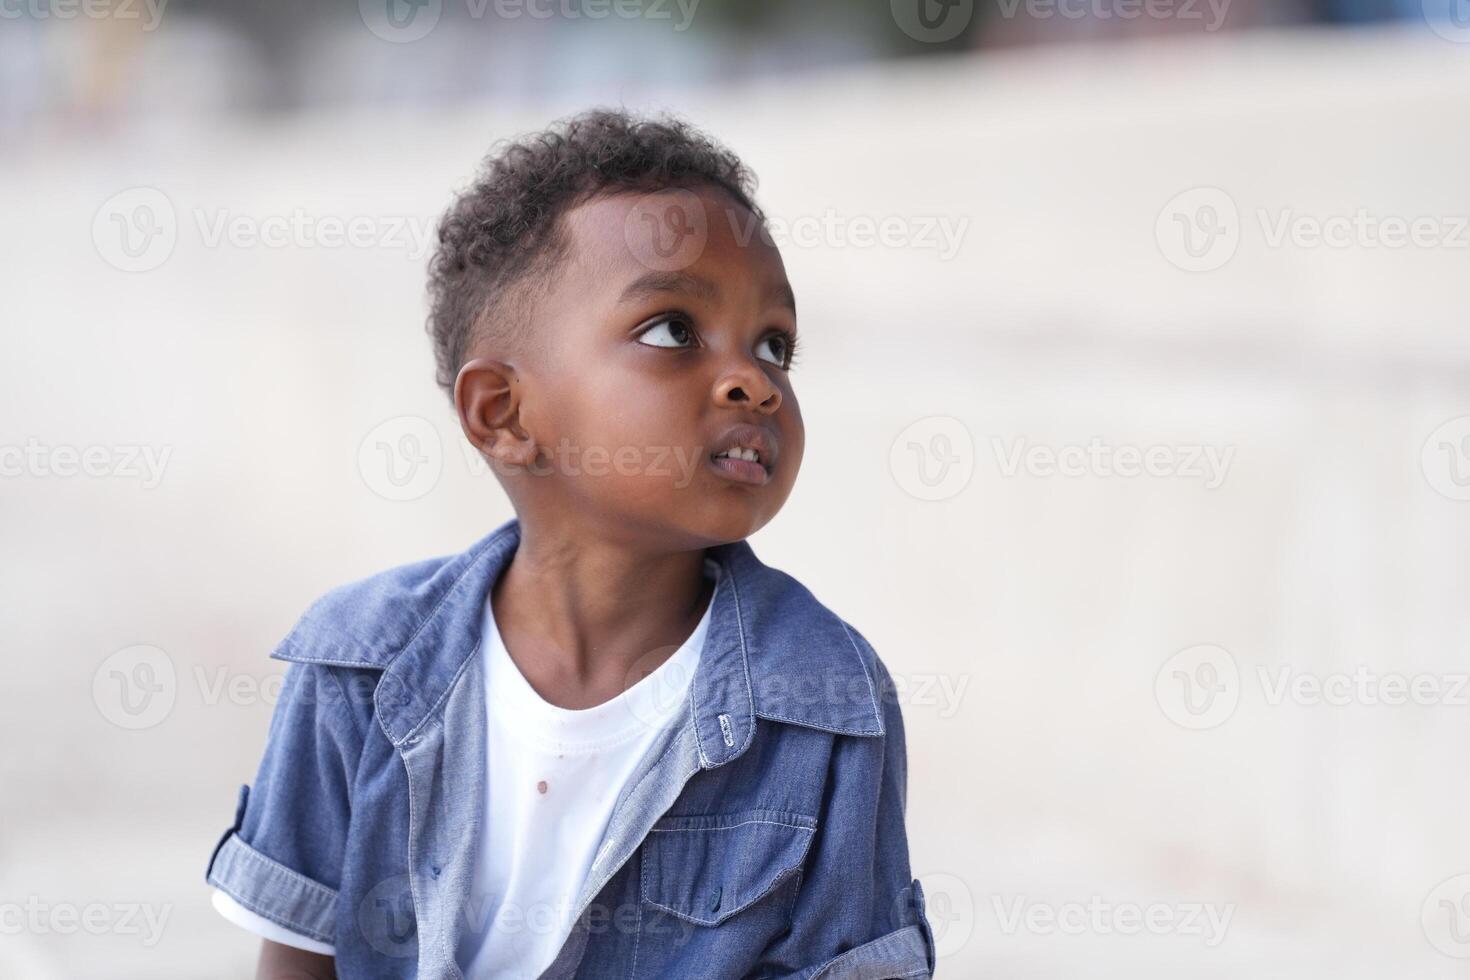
(748, 388)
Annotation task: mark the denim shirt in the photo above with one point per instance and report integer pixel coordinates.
(761, 836)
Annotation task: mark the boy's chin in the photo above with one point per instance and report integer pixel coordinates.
(708, 527)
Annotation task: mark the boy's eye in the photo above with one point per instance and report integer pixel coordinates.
(670, 331)
(777, 348)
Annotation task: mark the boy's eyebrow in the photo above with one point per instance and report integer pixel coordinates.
(651, 283)
(670, 282)
(783, 294)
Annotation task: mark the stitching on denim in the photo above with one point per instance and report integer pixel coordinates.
(412, 863)
(743, 823)
(805, 723)
(271, 864)
(745, 668)
(306, 658)
(642, 891)
(781, 876)
(878, 944)
(448, 690)
(458, 582)
(772, 886)
(292, 643)
(315, 890)
(795, 893)
(877, 709)
(382, 720)
(653, 770)
(803, 820)
(728, 572)
(606, 875)
(475, 559)
(704, 760)
(278, 919)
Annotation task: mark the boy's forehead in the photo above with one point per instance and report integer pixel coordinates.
(626, 234)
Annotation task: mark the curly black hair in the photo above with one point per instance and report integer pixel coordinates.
(503, 234)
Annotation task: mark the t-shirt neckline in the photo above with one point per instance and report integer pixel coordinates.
(652, 703)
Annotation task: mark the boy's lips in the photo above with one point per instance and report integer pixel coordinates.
(746, 453)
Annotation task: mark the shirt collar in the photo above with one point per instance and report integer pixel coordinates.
(772, 650)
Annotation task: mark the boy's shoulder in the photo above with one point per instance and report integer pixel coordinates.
(799, 660)
(367, 622)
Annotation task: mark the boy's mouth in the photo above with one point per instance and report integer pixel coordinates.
(746, 453)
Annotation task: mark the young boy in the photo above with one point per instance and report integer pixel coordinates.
(605, 741)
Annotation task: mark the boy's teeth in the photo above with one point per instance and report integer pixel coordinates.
(746, 454)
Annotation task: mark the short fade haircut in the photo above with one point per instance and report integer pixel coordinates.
(504, 232)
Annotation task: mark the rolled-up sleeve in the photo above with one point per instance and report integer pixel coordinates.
(282, 857)
(265, 928)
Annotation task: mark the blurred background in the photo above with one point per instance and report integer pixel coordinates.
(1137, 386)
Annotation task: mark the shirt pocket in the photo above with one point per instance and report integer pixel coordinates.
(706, 869)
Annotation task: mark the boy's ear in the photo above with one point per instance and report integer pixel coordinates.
(487, 394)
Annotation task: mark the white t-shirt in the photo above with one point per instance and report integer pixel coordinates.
(553, 776)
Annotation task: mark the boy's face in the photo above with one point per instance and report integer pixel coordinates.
(663, 341)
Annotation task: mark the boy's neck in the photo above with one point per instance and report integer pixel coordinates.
(584, 618)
